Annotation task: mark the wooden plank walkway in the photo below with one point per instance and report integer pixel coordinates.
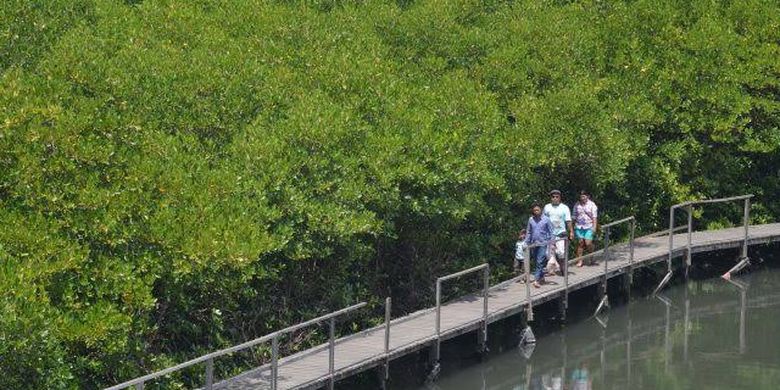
(364, 350)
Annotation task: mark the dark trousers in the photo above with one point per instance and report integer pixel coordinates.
(539, 254)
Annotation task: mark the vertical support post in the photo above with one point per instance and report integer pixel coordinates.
(690, 238)
(485, 288)
(437, 345)
(527, 270)
(566, 275)
(747, 228)
(209, 374)
(332, 352)
(631, 252)
(139, 386)
(606, 256)
(671, 239)
(603, 292)
(274, 362)
(388, 306)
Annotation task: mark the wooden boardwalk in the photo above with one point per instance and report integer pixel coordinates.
(364, 350)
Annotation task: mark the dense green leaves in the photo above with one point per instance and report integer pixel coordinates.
(181, 176)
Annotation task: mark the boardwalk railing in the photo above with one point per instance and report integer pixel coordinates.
(688, 207)
(632, 230)
(565, 264)
(485, 268)
(273, 337)
(551, 245)
(631, 221)
(610, 254)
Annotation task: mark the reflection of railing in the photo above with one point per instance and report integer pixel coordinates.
(273, 337)
(485, 268)
(507, 375)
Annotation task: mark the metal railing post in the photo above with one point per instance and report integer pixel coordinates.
(139, 386)
(485, 288)
(436, 349)
(631, 252)
(331, 352)
(690, 235)
(274, 362)
(438, 320)
(209, 374)
(566, 273)
(671, 239)
(606, 253)
(388, 303)
(747, 228)
(527, 270)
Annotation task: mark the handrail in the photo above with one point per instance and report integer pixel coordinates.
(666, 232)
(461, 273)
(688, 207)
(717, 200)
(485, 267)
(618, 222)
(606, 229)
(222, 352)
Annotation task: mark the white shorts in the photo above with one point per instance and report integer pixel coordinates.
(557, 250)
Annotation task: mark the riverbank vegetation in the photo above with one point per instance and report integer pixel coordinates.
(180, 176)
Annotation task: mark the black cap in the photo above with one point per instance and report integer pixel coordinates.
(555, 192)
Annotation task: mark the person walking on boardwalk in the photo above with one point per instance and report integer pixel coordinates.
(560, 217)
(586, 224)
(538, 231)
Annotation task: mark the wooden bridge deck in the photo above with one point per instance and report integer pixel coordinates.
(364, 350)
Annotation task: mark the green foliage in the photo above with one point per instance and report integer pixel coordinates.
(181, 176)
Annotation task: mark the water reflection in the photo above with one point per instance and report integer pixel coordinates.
(694, 336)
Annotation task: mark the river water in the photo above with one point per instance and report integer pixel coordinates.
(706, 334)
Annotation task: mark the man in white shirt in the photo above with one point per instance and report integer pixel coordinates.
(560, 217)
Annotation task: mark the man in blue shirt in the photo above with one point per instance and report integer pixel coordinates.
(539, 231)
